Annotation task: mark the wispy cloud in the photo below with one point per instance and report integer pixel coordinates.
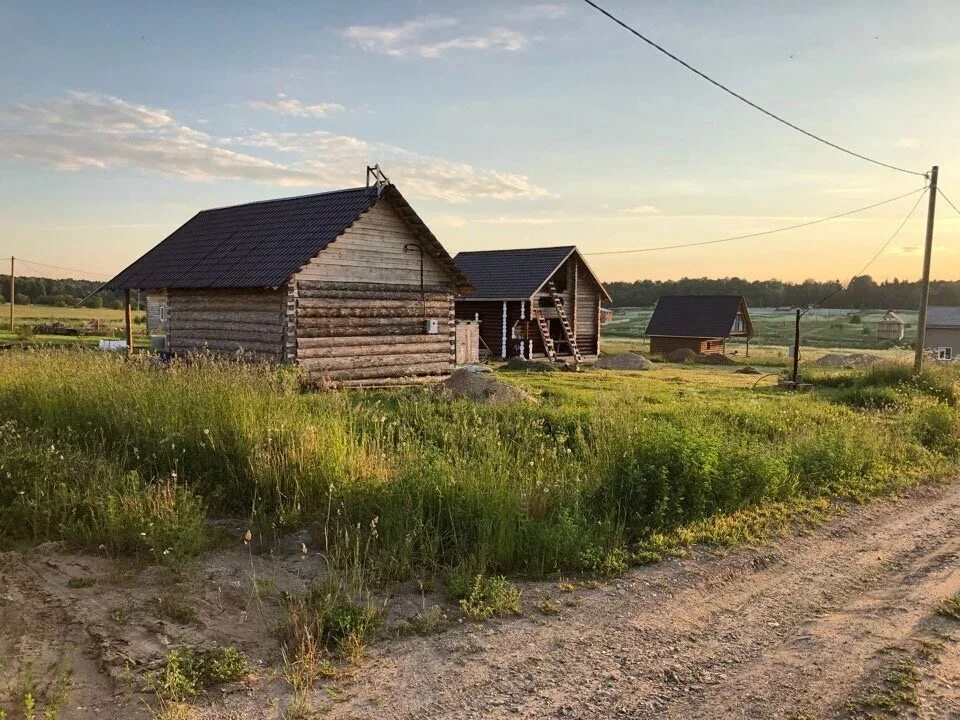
(538, 11)
(431, 37)
(642, 210)
(88, 130)
(291, 106)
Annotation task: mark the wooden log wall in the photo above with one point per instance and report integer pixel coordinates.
(227, 322)
(350, 333)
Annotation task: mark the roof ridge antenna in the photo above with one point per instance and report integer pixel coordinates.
(380, 180)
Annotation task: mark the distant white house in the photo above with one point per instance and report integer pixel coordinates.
(890, 327)
(942, 332)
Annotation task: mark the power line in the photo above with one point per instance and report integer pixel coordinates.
(876, 255)
(740, 97)
(757, 234)
(949, 201)
(60, 267)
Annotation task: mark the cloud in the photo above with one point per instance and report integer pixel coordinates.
(420, 38)
(642, 210)
(908, 142)
(337, 158)
(538, 11)
(88, 130)
(293, 107)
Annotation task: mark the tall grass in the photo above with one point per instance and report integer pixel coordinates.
(425, 483)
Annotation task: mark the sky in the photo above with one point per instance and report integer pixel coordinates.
(505, 124)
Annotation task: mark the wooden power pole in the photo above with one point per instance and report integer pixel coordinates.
(128, 324)
(13, 291)
(925, 282)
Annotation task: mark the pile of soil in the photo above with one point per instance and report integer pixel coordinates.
(682, 355)
(715, 360)
(851, 360)
(747, 370)
(530, 365)
(625, 361)
(483, 388)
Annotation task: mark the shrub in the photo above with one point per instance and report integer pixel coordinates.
(188, 671)
(934, 426)
(328, 618)
(484, 597)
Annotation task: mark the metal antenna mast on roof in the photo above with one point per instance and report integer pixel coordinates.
(380, 180)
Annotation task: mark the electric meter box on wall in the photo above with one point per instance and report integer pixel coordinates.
(433, 326)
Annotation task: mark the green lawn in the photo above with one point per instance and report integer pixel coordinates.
(28, 316)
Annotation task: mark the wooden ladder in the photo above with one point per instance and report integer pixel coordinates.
(544, 326)
(564, 322)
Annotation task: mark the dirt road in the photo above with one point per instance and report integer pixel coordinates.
(797, 631)
(831, 623)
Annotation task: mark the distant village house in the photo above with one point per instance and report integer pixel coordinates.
(890, 327)
(701, 323)
(941, 336)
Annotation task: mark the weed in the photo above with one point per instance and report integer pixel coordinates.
(189, 671)
(172, 606)
(328, 621)
(426, 622)
(950, 607)
(549, 606)
(486, 597)
(76, 583)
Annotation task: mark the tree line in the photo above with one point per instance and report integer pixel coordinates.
(862, 292)
(60, 293)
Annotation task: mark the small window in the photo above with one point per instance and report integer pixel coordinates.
(163, 313)
(739, 325)
(944, 353)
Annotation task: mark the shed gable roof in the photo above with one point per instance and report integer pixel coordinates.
(262, 244)
(515, 274)
(943, 316)
(699, 316)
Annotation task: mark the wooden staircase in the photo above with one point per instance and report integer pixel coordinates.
(544, 326)
(569, 336)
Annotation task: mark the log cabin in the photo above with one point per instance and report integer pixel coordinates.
(701, 323)
(533, 302)
(350, 285)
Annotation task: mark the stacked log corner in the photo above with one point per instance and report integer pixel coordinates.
(350, 334)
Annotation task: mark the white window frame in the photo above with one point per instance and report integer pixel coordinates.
(163, 312)
(945, 354)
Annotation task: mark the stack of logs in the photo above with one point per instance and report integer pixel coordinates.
(350, 334)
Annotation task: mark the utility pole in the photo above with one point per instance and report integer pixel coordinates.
(13, 291)
(925, 282)
(796, 348)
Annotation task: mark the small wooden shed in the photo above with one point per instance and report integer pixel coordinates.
(890, 327)
(350, 285)
(533, 302)
(701, 323)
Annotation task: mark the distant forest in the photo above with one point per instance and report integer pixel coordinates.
(60, 293)
(862, 292)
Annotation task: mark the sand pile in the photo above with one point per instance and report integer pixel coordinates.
(483, 388)
(851, 360)
(682, 355)
(625, 361)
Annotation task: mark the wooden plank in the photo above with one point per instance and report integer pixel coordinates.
(253, 317)
(321, 342)
(386, 372)
(373, 361)
(408, 310)
(322, 333)
(309, 323)
(308, 285)
(177, 343)
(406, 300)
(382, 350)
(393, 382)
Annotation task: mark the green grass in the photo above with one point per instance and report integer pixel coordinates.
(188, 671)
(28, 316)
(607, 469)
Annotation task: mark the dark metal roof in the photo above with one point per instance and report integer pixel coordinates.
(262, 244)
(699, 316)
(514, 274)
(943, 316)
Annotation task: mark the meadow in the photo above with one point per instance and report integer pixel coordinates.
(820, 328)
(29, 316)
(604, 470)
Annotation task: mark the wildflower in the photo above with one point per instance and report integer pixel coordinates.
(247, 537)
(303, 548)
(143, 535)
(206, 431)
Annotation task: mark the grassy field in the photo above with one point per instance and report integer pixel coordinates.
(820, 328)
(605, 469)
(28, 316)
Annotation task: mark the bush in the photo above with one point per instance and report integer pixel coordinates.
(188, 671)
(328, 617)
(935, 427)
(484, 597)
(856, 319)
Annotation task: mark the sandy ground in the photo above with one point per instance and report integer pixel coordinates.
(809, 627)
